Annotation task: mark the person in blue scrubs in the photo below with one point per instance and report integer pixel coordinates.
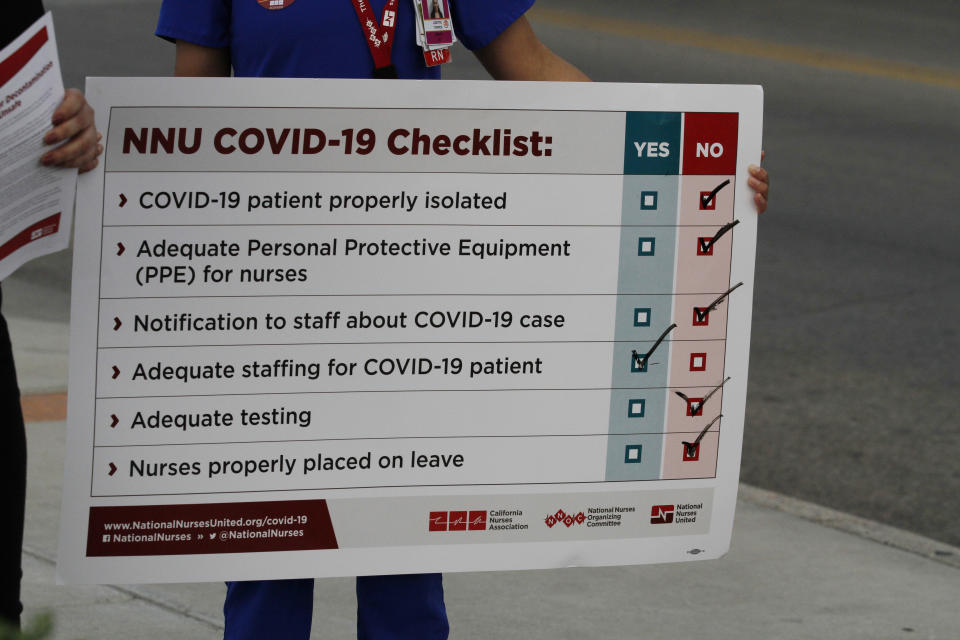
(324, 39)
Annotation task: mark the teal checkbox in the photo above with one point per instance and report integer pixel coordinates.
(632, 453)
(636, 407)
(646, 246)
(648, 200)
(641, 317)
(635, 361)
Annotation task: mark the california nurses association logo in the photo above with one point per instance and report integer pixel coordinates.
(275, 4)
(457, 521)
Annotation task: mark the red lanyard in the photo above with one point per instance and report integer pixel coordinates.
(379, 34)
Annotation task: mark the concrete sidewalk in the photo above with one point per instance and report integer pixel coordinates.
(796, 571)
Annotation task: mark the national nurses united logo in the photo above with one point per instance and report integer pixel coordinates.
(661, 514)
(275, 4)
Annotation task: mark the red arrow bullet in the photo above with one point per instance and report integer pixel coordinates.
(113, 469)
(116, 372)
(114, 420)
(123, 200)
(116, 323)
(120, 248)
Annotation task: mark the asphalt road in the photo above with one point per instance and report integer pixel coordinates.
(853, 400)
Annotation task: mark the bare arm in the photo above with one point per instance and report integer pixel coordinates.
(517, 54)
(194, 60)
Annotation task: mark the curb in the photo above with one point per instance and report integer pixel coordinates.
(886, 535)
(43, 407)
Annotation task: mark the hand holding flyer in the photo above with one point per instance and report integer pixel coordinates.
(36, 201)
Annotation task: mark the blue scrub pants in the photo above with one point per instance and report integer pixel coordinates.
(404, 607)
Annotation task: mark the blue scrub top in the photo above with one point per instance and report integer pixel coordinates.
(322, 38)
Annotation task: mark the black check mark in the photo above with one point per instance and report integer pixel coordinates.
(695, 409)
(706, 244)
(715, 389)
(698, 408)
(692, 446)
(642, 360)
(702, 313)
(707, 199)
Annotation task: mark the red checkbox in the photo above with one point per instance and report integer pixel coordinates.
(708, 201)
(704, 246)
(458, 521)
(701, 317)
(694, 407)
(698, 362)
(691, 453)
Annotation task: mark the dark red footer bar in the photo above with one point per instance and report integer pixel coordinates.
(234, 527)
(47, 226)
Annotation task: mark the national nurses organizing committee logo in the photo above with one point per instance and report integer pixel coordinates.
(661, 514)
(457, 521)
(566, 519)
(275, 4)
